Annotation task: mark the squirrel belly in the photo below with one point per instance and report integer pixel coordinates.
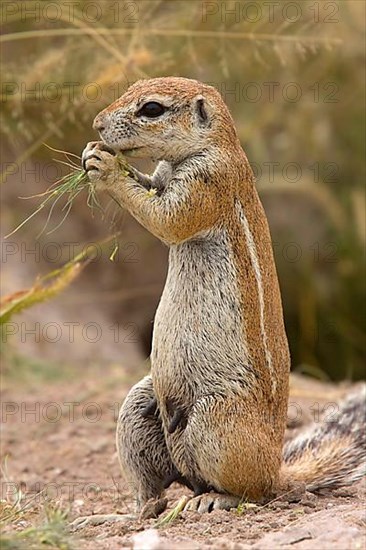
(198, 344)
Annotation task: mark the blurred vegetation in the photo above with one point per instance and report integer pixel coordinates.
(295, 83)
(46, 287)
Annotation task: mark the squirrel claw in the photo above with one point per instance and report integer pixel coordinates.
(150, 409)
(178, 418)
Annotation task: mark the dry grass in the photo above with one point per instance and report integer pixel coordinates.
(46, 526)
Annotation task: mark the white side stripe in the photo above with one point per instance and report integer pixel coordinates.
(255, 263)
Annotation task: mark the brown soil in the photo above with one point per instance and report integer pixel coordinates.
(62, 454)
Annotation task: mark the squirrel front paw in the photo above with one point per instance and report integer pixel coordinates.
(102, 164)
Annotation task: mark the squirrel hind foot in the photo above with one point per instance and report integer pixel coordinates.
(208, 502)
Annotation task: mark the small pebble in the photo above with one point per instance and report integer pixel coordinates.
(279, 505)
(308, 503)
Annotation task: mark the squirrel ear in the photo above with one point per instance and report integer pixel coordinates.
(201, 111)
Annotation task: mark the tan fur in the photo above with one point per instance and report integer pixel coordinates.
(304, 468)
(220, 356)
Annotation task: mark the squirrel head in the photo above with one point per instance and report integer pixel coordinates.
(167, 118)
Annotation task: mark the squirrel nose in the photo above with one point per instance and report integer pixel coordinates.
(99, 123)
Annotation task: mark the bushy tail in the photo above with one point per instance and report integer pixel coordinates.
(332, 454)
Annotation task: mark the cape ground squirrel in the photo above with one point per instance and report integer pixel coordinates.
(212, 414)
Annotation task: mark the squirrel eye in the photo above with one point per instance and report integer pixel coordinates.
(152, 109)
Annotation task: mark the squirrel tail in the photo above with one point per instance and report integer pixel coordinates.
(332, 454)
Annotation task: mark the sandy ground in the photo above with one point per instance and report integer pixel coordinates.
(58, 435)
